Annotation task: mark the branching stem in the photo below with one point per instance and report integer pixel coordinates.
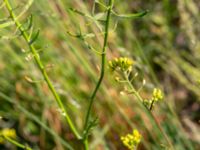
(103, 58)
(42, 69)
(137, 95)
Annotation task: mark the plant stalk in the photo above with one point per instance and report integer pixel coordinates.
(17, 143)
(103, 58)
(42, 69)
(137, 95)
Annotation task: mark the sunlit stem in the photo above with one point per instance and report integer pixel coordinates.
(42, 69)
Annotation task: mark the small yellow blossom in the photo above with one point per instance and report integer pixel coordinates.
(132, 140)
(122, 63)
(157, 95)
(7, 133)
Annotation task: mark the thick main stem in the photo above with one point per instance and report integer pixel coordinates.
(103, 57)
(42, 69)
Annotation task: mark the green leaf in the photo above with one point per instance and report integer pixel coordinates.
(91, 125)
(135, 15)
(35, 37)
(30, 22)
(6, 24)
(2, 5)
(77, 11)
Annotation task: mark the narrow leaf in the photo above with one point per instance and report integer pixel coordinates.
(35, 37)
(2, 5)
(135, 15)
(30, 22)
(77, 11)
(6, 24)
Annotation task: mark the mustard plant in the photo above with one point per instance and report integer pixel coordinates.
(27, 32)
(182, 67)
(124, 68)
(103, 58)
(89, 123)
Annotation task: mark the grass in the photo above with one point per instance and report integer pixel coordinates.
(164, 45)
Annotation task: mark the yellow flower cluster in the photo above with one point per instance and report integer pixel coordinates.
(157, 95)
(131, 140)
(7, 133)
(122, 63)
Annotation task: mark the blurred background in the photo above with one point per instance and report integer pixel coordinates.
(164, 45)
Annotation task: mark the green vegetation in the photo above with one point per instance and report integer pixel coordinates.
(99, 75)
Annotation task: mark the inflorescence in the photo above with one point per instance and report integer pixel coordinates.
(156, 97)
(131, 141)
(122, 63)
(7, 133)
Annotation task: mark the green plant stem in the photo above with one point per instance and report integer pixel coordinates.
(137, 95)
(103, 57)
(42, 69)
(86, 146)
(17, 143)
(151, 106)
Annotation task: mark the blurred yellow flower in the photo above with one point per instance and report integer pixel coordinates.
(132, 140)
(157, 95)
(122, 63)
(11, 133)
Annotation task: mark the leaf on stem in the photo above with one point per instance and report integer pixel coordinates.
(77, 11)
(35, 37)
(133, 15)
(30, 22)
(92, 123)
(2, 5)
(6, 24)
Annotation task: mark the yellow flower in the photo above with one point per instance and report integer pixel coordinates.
(122, 63)
(7, 133)
(157, 95)
(131, 140)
